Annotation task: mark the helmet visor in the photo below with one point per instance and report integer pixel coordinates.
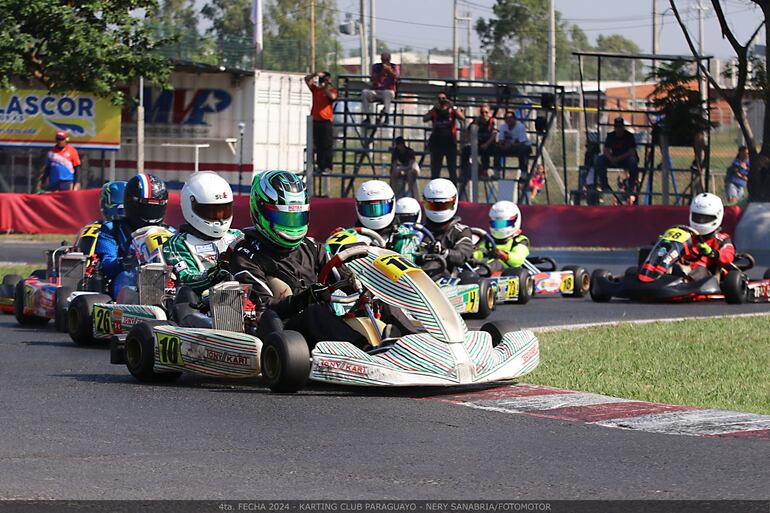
(440, 206)
(703, 218)
(408, 218)
(502, 223)
(290, 216)
(375, 208)
(150, 210)
(213, 211)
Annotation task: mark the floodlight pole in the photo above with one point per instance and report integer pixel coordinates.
(455, 49)
(241, 128)
(551, 42)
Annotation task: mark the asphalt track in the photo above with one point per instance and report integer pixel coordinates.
(75, 427)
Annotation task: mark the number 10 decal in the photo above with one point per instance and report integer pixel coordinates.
(169, 352)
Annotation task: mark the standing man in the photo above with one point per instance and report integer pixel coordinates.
(513, 141)
(322, 111)
(619, 151)
(382, 87)
(62, 165)
(487, 135)
(403, 165)
(443, 137)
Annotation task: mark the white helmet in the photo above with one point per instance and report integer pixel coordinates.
(207, 203)
(440, 200)
(375, 204)
(504, 220)
(408, 210)
(706, 213)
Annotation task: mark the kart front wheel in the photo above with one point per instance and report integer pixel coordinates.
(581, 281)
(486, 300)
(766, 276)
(285, 361)
(735, 287)
(497, 330)
(140, 353)
(80, 321)
(60, 308)
(599, 292)
(11, 279)
(631, 272)
(18, 308)
(526, 284)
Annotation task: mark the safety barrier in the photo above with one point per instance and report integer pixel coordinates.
(546, 225)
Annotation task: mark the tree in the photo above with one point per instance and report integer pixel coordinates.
(90, 45)
(619, 69)
(759, 173)
(178, 20)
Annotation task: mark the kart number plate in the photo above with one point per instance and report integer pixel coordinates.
(472, 303)
(676, 234)
(394, 266)
(169, 351)
(513, 288)
(91, 230)
(567, 283)
(102, 320)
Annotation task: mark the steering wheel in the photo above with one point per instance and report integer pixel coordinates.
(478, 265)
(337, 261)
(432, 257)
(377, 239)
(417, 227)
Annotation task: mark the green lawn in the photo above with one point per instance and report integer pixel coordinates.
(22, 270)
(35, 237)
(717, 363)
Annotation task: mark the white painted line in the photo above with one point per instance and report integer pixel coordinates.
(550, 401)
(696, 422)
(562, 327)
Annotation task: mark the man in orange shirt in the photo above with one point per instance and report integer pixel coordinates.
(324, 95)
(62, 166)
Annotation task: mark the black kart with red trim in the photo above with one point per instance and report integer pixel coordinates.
(662, 278)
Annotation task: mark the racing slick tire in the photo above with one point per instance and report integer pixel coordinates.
(735, 287)
(526, 286)
(80, 318)
(631, 272)
(8, 292)
(11, 279)
(497, 329)
(18, 309)
(766, 276)
(581, 282)
(285, 361)
(60, 308)
(140, 354)
(486, 300)
(599, 293)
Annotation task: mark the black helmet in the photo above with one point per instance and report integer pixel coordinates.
(145, 200)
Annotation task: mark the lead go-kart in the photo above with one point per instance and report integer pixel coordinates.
(660, 277)
(443, 353)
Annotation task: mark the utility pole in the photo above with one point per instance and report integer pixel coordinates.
(364, 41)
(312, 36)
(455, 49)
(701, 49)
(372, 35)
(471, 71)
(654, 33)
(140, 129)
(551, 42)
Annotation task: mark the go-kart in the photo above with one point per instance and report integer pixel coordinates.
(661, 278)
(571, 281)
(93, 317)
(445, 353)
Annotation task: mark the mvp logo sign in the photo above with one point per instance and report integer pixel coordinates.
(181, 106)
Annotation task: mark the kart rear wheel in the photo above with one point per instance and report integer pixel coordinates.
(285, 361)
(60, 308)
(498, 329)
(140, 353)
(11, 279)
(766, 276)
(18, 309)
(80, 321)
(631, 272)
(581, 282)
(599, 292)
(526, 284)
(735, 287)
(486, 300)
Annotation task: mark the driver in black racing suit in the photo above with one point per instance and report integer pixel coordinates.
(282, 264)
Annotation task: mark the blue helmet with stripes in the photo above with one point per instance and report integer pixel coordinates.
(145, 200)
(111, 200)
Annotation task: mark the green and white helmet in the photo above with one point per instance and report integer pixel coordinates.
(280, 207)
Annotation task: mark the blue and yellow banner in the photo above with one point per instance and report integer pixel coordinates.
(30, 118)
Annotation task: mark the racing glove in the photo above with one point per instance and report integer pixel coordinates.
(315, 293)
(437, 249)
(707, 251)
(216, 274)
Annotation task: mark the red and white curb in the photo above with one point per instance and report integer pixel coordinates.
(602, 410)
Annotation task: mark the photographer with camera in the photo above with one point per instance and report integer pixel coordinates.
(443, 137)
(324, 94)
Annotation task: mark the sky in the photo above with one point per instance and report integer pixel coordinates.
(424, 24)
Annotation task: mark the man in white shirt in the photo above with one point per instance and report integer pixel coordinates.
(512, 140)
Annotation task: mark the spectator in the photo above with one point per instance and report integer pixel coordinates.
(487, 136)
(737, 176)
(322, 111)
(536, 183)
(382, 87)
(513, 141)
(403, 165)
(443, 137)
(62, 165)
(619, 151)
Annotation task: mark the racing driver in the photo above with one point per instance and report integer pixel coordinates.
(713, 249)
(453, 239)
